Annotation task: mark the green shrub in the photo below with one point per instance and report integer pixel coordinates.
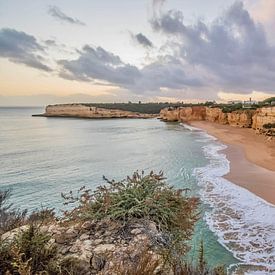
(140, 197)
(30, 253)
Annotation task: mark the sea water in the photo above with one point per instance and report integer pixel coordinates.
(42, 157)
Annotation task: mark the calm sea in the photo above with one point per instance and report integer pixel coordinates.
(42, 157)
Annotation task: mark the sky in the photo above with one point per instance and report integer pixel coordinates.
(58, 51)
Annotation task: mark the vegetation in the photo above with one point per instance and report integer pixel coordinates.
(155, 107)
(138, 198)
(141, 197)
(269, 100)
(269, 125)
(9, 217)
(145, 108)
(31, 253)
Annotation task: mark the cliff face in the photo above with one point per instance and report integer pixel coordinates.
(263, 116)
(169, 114)
(80, 110)
(192, 113)
(243, 118)
(216, 115)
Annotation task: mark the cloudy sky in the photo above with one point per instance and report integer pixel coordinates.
(149, 50)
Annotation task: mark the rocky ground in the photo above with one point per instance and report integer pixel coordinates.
(103, 246)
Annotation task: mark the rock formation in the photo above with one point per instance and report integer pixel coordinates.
(256, 119)
(101, 245)
(84, 111)
(262, 117)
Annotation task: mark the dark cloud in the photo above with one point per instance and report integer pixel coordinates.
(60, 15)
(142, 40)
(51, 43)
(20, 47)
(97, 63)
(233, 48)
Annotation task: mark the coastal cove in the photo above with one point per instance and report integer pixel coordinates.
(58, 155)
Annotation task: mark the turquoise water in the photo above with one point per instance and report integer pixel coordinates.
(42, 157)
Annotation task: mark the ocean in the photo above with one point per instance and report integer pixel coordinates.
(42, 157)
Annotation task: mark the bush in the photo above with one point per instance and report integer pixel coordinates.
(269, 125)
(140, 197)
(31, 253)
(10, 218)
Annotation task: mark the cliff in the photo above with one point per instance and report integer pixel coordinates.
(241, 118)
(262, 117)
(256, 119)
(84, 111)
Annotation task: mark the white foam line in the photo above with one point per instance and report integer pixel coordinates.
(189, 127)
(243, 222)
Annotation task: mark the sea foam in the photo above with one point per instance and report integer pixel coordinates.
(243, 222)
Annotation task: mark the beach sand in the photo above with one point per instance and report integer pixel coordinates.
(251, 156)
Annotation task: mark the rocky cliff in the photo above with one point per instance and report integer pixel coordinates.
(262, 117)
(83, 111)
(241, 118)
(255, 119)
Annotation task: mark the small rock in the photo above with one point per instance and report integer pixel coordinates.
(136, 231)
(100, 249)
(88, 225)
(152, 227)
(87, 245)
(60, 238)
(108, 233)
(55, 229)
(98, 241)
(71, 233)
(141, 237)
(84, 236)
(98, 234)
(76, 247)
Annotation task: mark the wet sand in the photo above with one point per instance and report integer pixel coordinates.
(251, 156)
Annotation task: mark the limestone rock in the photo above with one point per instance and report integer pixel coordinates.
(88, 225)
(103, 248)
(81, 110)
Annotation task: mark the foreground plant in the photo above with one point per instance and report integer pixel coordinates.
(9, 216)
(143, 197)
(147, 222)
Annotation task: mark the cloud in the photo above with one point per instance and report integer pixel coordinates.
(157, 5)
(99, 64)
(231, 53)
(51, 43)
(22, 48)
(142, 40)
(263, 11)
(233, 48)
(60, 15)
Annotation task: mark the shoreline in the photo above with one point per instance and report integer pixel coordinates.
(252, 158)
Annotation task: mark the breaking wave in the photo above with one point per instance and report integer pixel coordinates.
(243, 222)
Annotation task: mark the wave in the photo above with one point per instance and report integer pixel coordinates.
(189, 127)
(243, 222)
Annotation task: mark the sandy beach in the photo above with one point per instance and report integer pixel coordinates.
(251, 156)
